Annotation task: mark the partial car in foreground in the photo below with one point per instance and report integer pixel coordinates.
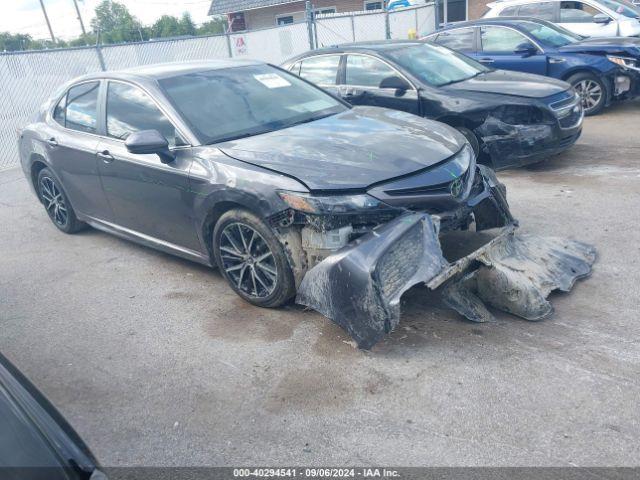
(601, 70)
(589, 18)
(510, 119)
(36, 442)
(288, 191)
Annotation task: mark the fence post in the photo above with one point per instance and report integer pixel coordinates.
(310, 22)
(387, 25)
(353, 27)
(99, 52)
(229, 51)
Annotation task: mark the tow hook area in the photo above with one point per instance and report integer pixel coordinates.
(360, 286)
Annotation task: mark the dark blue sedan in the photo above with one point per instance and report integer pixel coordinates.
(600, 69)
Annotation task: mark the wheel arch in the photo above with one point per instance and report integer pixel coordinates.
(37, 164)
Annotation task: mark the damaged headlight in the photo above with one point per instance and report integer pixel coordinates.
(624, 62)
(331, 204)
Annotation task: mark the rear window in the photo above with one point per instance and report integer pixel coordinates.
(461, 39)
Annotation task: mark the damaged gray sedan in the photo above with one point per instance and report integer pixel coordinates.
(290, 192)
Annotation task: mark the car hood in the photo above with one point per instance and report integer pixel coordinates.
(503, 82)
(351, 150)
(630, 46)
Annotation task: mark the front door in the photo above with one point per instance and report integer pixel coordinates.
(578, 17)
(147, 196)
(498, 47)
(363, 75)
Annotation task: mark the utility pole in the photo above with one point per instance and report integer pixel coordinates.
(75, 3)
(44, 10)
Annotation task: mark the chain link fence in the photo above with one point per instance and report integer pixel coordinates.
(27, 79)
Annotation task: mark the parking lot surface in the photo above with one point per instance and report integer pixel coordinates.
(155, 361)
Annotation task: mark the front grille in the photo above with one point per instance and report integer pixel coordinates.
(435, 189)
(568, 141)
(400, 262)
(572, 119)
(567, 108)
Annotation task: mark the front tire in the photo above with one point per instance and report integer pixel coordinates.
(252, 259)
(56, 203)
(592, 91)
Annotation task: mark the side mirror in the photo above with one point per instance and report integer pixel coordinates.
(395, 83)
(601, 19)
(526, 49)
(149, 142)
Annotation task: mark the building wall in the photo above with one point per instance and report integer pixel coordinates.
(476, 8)
(266, 17)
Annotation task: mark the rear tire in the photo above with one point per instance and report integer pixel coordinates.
(252, 259)
(56, 203)
(592, 91)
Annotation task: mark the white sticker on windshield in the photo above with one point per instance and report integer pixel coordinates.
(272, 80)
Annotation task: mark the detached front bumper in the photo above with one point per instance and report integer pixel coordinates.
(360, 286)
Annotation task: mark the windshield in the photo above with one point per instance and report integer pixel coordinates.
(551, 35)
(230, 103)
(436, 65)
(623, 8)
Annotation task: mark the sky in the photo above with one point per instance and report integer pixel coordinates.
(25, 16)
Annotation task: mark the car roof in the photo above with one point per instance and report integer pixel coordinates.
(370, 47)
(506, 21)
(165, 70)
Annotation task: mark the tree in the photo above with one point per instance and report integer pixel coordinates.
(10, 42)
(166, 26)
(114, 24)
(215, 26)
(187, 27)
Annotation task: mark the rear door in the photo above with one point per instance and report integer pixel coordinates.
(71, 145)
(147, 196)
(362, 77)
(498, 46)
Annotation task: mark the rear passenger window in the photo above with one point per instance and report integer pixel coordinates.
(59, 112)
(542, 10)
(461, 39)
(81, 110)
(321, 70)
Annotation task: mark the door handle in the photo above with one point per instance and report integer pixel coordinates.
(105, 156)
(52, 142)
(487, 60)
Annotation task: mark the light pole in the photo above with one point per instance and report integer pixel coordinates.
(84, 33)
(44, 10)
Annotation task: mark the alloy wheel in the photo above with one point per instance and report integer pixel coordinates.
(54, 201)
(247, 260)
(590, 93)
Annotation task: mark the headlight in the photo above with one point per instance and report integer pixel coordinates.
(624, 62)
(331, 204)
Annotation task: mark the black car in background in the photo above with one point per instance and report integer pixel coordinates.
(510, 119)
(36, 442)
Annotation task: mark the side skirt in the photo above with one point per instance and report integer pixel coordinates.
(146, 240)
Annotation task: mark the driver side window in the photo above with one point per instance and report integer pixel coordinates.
(577, 12)
(366, 71)
(129, 110)
(501, 40)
